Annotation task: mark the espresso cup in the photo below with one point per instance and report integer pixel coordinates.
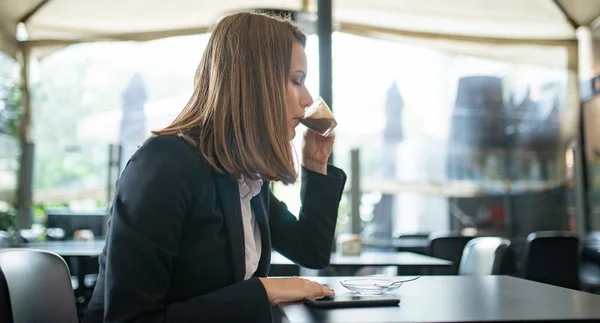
(319, 118)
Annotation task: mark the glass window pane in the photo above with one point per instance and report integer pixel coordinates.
(89, 96)
(9, 122)
(449, 141)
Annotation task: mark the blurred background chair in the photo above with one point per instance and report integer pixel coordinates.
(39, 286)
(4, 239)
(589, 270)
(28, 235)
(552, 257)
(448, 246)
(55, 234)
(485, 256)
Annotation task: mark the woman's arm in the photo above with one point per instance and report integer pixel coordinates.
(308, 240)
(152, 199)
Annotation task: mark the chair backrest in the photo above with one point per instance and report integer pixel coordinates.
(5, 310)
(39, 286)
(4, 239)
(448, 246)
(29, 235)
(592, 239)
(552, 257)
(483, 256)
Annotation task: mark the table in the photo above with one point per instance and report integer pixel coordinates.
(404, 261)
(368, 258)
(461, 299)
(70, 248)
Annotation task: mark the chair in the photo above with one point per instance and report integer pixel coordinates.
(448, 246)
(552, 257)
(591, 246)
(4, 239)
(5, 310)
(55, 234)
(484, 256)
(39, 286)
(589, 269)
(28, 236)
(592, 237)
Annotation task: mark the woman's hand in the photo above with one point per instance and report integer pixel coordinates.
(282, 290)
(316, 150)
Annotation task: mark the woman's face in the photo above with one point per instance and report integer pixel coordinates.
(298, 98)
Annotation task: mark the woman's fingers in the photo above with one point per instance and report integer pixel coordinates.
(319, 290)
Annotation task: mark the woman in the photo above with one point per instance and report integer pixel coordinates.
(193, 220)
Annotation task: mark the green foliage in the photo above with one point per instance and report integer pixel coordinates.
(8, 217)
(10, 114)
(10, 98)
(86, 80)
(10, 108)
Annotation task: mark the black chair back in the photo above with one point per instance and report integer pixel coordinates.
(39, 286)
(484, 256)
(448, 246)
(552, 257)
(5, 310)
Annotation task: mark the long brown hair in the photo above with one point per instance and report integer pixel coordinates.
(237, 113)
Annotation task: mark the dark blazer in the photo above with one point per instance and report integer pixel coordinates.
(175, 248)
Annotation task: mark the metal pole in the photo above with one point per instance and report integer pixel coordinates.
(109, 177)
(582, 217)
(355, 191)
(25, 189)
(115, 152)
(324, 31)
(585, 71)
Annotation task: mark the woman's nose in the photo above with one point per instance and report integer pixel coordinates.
(306, 100)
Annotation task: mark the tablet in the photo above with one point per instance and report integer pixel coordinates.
(339, 301)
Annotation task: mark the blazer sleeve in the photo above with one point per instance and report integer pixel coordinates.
(308, 239)
(152, 198)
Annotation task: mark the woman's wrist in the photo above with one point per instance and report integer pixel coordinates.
(315, 166)
(269, 289)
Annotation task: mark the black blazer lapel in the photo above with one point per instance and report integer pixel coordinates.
(229, 195)
(260, 212)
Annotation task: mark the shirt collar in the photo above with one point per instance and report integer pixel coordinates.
(249, 188)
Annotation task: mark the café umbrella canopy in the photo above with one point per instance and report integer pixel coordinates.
(43, 23)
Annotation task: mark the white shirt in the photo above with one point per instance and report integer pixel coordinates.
(252, 240)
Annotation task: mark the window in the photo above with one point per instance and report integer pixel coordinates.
(446, 141)
(89, 96)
